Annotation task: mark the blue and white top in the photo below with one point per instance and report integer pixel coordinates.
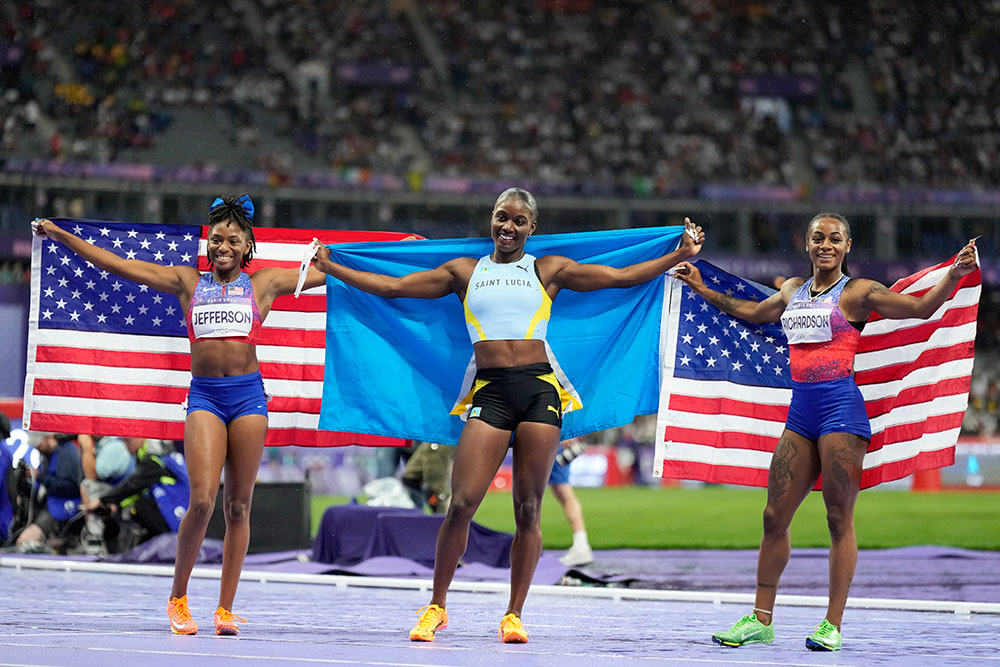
(506, 301)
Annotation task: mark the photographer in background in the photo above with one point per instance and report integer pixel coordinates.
(55, 486)
(106, 463)
(154, 496)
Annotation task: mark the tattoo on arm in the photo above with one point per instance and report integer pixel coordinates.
(724, 302)
(878, 288)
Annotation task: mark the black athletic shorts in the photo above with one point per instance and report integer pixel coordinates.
(505, 397)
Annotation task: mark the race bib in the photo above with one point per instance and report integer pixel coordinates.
(808, 322)
(222, 320)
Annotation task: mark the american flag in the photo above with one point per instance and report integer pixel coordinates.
(107, 356)
(726, 388)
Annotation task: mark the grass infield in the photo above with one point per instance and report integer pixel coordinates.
(730, 518)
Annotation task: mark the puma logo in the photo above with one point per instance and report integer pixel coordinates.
(553, 409)
(523, 268)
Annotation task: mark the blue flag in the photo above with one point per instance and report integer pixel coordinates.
(395, 367)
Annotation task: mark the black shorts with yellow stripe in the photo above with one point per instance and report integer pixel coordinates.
(506, 397)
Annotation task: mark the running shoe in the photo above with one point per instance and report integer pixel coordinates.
(747, 630)
(432, 618)
(826, 638)
(578, 556)
(512, 630)
(225, 622)
(181, 622)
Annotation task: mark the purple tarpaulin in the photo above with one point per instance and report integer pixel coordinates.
(349, 534)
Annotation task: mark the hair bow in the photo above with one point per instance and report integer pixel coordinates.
(244, 201)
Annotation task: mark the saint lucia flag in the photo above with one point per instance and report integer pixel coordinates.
(395, 367)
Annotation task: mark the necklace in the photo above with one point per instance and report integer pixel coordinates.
(815, 295)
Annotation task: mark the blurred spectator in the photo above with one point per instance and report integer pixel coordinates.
(427, 476)
(152, 499)
(106, 463)
(53, 496)
(388, 459)
(6, 471)
(580, 552)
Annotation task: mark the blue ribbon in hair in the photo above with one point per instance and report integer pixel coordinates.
(243, 201)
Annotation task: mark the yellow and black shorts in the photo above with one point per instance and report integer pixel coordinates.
(506, 397)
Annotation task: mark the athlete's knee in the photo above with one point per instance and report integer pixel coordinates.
(775, 522)
(237, 510)
(527, 511)
(461, 509)
(839, 520)
(200, 508)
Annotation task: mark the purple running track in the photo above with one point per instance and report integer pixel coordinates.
(84, 619)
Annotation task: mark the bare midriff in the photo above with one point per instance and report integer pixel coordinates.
(219, 357)
(509, 353)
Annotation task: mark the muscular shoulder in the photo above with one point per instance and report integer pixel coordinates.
(461, 267)
(550, 265)
(789, 286)
(188, 277)
(860, 288)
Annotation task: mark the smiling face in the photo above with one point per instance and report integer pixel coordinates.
(227, 244)
(513, 222)
(827, 243)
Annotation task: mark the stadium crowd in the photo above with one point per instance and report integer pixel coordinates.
(648, 95)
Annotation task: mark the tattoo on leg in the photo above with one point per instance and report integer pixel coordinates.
(843, 460)
(763, 585)
(780, 476)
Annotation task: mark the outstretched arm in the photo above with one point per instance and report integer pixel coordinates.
(572, 275)
(894, 306)
(768, 310)
(279, 282)
(430, 284)
(169, 279)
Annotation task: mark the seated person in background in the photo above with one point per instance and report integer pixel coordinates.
(56, 484)
(154, 495)
(106, 462)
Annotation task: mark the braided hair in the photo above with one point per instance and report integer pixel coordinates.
(228, 208)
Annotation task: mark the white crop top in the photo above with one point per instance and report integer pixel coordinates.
(506, 301)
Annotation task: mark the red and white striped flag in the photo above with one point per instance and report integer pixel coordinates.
(725, 384)
(110, 357)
